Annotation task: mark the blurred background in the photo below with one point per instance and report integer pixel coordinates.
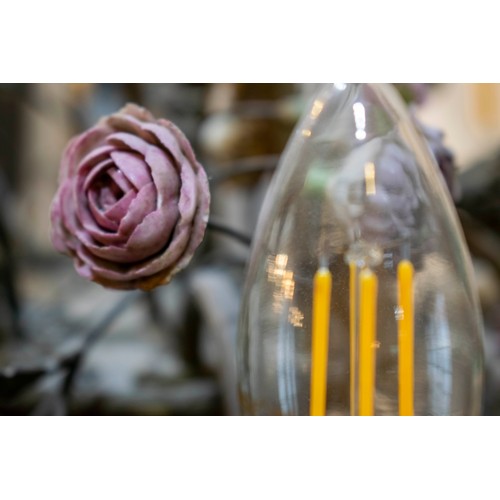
(71, 347)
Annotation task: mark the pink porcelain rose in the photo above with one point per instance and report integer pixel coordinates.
(132, 204)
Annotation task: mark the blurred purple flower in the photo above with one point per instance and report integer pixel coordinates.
(444, 157)
(132, 204)
(393, 209)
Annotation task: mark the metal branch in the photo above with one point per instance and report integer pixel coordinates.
(232, 233)
(7, 278)
(93, 336)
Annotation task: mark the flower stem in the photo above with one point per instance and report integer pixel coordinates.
(93, 336)
(7, 282)
(233, 233)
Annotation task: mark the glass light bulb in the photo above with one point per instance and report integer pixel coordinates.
(358, 297)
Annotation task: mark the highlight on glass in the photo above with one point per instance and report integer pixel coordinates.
(358, 298)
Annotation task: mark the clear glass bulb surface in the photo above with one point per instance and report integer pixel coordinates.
(358, 297)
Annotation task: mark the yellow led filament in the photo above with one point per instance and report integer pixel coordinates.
(405, 337)
(363, 289)
(367, 338)
(322, 289)
(353, 275)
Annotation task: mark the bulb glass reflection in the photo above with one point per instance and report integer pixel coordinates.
(358, 298)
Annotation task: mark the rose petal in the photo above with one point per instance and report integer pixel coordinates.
(103, 220)
(78, 147)
(63, 236)
(133, 167)
(200, 222)
(60, 237)
(116, 272)
(137, 112)
(188, 195)
(85, 207)
(166, 138)
(101, 236)
(165, 176)
(68, 212)
(121, 181)
(186, 148)
(119, 210)
(147, 239)
(127, 123)
(155, 230)
(93, 158)
(87, 179)
(163, 172)
(120, 139)
(143, 204)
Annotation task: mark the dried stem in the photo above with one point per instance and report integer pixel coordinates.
(93, 336)
(233, 233)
